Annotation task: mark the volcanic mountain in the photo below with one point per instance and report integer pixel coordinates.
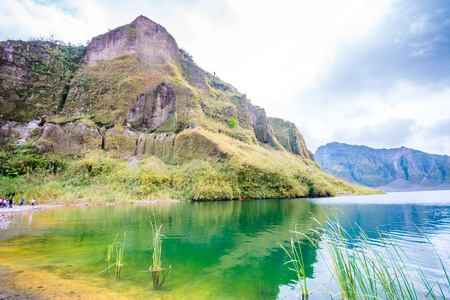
(133, 94)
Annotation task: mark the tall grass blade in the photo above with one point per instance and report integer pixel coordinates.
(159, 274)
(362, 270)
(119, 249)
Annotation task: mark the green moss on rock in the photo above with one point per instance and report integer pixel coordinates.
(120, 141)
(34, 77)
(192, 144)
(290, 137)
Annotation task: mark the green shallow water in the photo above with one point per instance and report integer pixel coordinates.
(218, 250)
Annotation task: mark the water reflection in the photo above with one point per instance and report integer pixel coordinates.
(399, 216)
(223, 248)
(216, 249)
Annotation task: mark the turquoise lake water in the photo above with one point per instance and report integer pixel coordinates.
(221, 250)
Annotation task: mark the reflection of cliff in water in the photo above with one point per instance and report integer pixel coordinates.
(240, 239)
(225, 240)
(228, 248)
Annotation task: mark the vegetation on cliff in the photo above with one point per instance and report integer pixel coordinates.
(35, 77)
(97, 176)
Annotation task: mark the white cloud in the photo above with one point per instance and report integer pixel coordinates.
(270, 50)
(420, 25)
(24, 19)
(407, 115)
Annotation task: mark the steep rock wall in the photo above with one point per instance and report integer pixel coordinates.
(290, 137)
(35, 78)
(152, 111)
(263, 131)
(148, 40)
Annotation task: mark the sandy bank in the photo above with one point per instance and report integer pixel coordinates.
(6, 213)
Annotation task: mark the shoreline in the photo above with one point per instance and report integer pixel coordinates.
(6, 213)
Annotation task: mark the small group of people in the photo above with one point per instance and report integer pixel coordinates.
(10, 201)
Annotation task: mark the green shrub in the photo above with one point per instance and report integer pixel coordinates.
(232, 123)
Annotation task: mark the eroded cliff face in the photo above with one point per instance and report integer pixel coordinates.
(290, 137)
(35, 78)
(19, 132)
(148, 40)
(152, 111)
(131, 92)
(263, 131)
(68, 138)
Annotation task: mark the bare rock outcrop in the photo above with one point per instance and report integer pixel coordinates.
(19, 131)
(68, 138)
(290, 138)
(148, 40)
(150, 112)
(261, 126)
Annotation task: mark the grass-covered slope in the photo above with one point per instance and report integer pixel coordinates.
(97, 176)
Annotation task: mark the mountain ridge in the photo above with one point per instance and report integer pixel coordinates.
(394, 169)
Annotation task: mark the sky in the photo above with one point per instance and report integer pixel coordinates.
(364, 72)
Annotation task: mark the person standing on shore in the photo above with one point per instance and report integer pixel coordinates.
(32, 201)
(11, 202)
(3, 202)
(22, 201)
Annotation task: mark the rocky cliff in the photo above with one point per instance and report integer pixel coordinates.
(388, 169)
(290, 138)
(35, 78)
(130, 85)
(133, 94)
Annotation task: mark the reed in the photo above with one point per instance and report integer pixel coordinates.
(362, 271)
(159, 274)
(119, 249)
(110, 253)
(295, 255)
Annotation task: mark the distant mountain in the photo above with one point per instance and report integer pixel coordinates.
(397, 169)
